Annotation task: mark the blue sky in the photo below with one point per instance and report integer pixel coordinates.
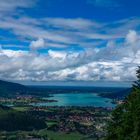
(69, 40)
(101, 10)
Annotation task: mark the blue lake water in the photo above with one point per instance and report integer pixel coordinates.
(78, 99)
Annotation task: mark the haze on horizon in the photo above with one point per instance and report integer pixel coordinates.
(69, 41)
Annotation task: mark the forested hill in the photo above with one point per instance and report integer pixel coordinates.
(12, 120)
(9, 88)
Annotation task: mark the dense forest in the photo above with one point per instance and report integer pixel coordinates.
(11, 89)
(11, 120)
(125, 119)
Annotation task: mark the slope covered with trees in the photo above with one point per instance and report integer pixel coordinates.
(125, 119)
(12, 120)
(9, 88)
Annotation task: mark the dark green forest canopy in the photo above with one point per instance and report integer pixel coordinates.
(125, 119)
(11, 120)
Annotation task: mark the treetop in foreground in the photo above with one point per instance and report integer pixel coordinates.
(125, 119)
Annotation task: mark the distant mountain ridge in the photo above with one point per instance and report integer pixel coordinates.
(11, 89)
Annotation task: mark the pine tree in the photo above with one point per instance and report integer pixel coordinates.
(125, 119)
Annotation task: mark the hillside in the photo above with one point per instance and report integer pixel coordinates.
(9, 88)
(12, 120)
(124, 123)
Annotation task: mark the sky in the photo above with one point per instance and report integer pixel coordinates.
(69, 41)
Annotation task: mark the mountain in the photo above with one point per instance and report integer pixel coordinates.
(9, 88)
(118, 93)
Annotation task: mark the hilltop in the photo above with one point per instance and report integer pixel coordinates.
(10, 88)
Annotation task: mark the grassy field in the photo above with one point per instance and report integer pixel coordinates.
(22, 135)
(50, 123)
(61, 136)
(21, 108)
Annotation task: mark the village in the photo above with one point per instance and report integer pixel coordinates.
(84, 120)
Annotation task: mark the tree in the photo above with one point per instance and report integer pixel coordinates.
(125, 119)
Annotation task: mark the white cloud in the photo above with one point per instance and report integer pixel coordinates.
(62, 32)
(11, 4)
(57, 55)
(111, 44)
(86, 65)
(40, 43)
(109, 71)
(131, 37)
(69, 23)
(113, 61)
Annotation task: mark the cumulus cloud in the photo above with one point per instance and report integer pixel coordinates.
(110, 71)
(57, 55)
(111, 63)
(102, 56)
(131, 37)
(34, 45)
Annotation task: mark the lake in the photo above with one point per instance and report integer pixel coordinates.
(77, 99)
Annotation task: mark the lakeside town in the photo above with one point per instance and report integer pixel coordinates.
(20, 100)
(21, 118)
(81, 122)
